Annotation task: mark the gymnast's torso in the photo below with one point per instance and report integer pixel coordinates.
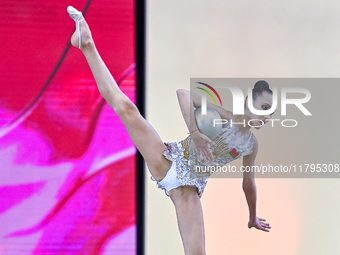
(186, 170)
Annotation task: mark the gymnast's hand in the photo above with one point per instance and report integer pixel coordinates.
(201, 143)
(260, 224)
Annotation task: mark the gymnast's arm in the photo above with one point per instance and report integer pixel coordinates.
(187, 104)
(249, 188)
(196, 100)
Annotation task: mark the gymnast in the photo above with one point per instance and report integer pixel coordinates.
(171, 164)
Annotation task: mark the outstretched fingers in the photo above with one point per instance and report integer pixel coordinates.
(264, 225)
(260, 224)
(265, 228)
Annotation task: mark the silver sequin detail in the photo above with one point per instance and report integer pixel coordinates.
(186, 158)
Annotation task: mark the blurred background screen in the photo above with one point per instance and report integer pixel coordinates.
(67, 164)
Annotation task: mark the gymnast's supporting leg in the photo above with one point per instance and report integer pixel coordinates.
(190, 219)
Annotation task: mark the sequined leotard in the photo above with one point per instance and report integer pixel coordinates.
(183, 171)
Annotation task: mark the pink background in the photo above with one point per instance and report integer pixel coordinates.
(67, 164)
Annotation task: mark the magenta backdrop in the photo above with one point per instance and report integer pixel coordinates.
(67, 164)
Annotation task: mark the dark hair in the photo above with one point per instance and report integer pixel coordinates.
(258, 89)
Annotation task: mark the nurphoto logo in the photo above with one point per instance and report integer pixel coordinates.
(239, 99)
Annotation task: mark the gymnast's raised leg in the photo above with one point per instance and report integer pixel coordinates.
(145, 138)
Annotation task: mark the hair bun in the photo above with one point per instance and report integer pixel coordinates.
(261, 85)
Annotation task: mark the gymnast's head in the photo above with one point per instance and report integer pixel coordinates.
(262, 100)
